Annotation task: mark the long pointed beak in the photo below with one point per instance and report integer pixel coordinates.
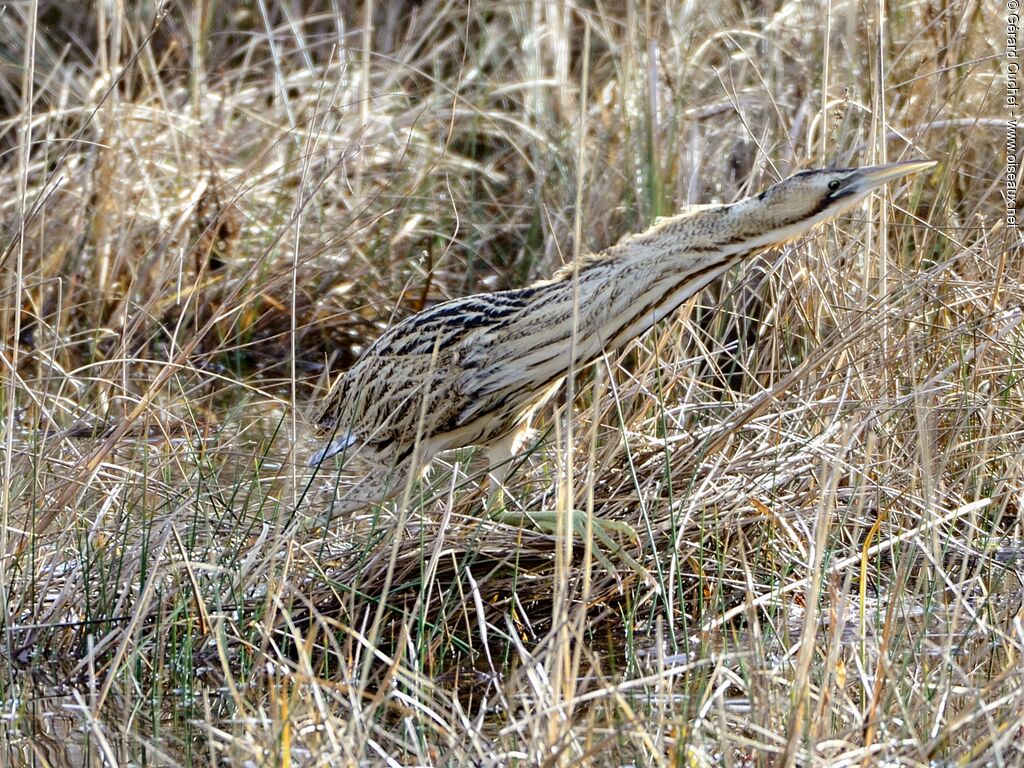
(335, 447)
(872, 177)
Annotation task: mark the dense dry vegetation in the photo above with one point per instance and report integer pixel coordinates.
(208, 209)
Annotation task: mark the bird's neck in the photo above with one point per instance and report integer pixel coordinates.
(627, 288)
(675, 245)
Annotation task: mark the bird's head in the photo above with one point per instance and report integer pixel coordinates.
(789, 208)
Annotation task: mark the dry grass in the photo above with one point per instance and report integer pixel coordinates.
(207, 210)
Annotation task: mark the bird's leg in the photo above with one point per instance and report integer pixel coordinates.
(546, 520)
(500, 455)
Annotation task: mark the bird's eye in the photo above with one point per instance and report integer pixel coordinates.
(834, 184)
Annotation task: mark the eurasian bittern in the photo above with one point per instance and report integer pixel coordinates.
(473, 371)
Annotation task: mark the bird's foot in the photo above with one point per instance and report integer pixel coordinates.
(547, 521)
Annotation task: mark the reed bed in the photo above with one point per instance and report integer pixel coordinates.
(209, 209)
